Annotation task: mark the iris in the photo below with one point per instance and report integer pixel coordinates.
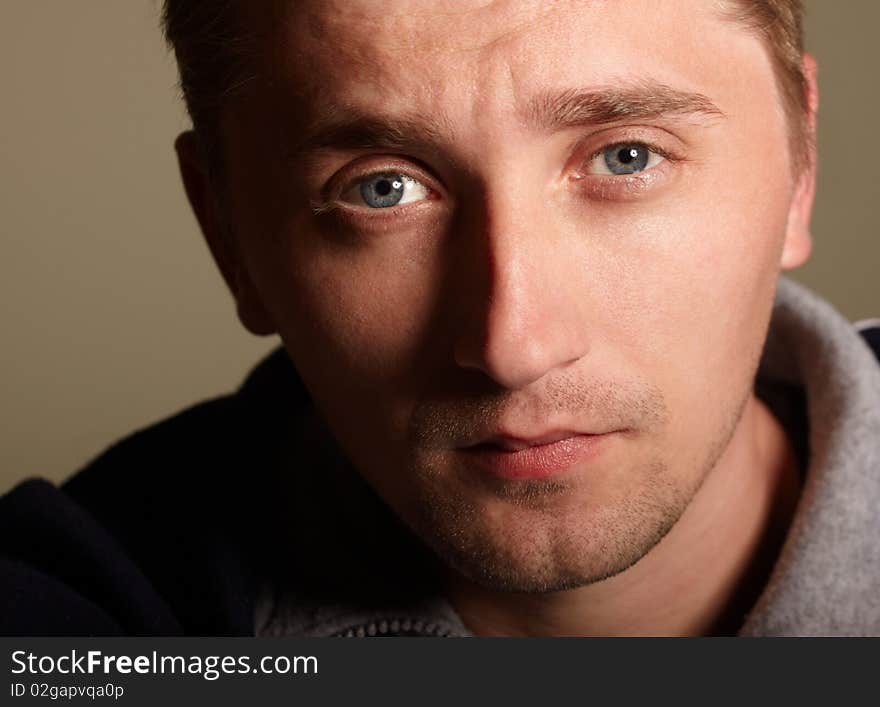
(383, 190)
(627, 158)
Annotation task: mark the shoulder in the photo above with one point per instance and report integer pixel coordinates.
(106, 553)
(870, 331)
(153, 537)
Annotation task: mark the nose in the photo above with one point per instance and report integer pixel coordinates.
(518, 315)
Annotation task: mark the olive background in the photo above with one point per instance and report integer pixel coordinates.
(113, 313)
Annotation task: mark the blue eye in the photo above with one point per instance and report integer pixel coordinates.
(624, 158)
(384, 190)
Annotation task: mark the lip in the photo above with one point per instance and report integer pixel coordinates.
(508, 458)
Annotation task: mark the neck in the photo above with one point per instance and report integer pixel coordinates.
(700, 579)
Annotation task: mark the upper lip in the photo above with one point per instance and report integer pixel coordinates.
(514, 442)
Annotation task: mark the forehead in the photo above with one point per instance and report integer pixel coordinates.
(402, 44)
(478, 65)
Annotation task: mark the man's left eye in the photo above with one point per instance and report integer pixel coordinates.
(624, 158)
(384, 190)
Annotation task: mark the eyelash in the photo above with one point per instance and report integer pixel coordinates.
(600, 186)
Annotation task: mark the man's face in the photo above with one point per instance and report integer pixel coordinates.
(470, 219)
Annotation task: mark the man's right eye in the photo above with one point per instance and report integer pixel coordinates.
(384, 190)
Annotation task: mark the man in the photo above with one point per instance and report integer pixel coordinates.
(540, 373)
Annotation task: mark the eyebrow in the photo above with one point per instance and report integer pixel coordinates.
(348, 128)
(643, 100)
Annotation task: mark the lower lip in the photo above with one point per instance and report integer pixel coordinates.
(538, 462)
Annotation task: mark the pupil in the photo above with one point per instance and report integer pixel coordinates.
(627, 155)
(383, 188)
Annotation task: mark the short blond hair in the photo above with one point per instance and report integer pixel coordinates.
(780, 25)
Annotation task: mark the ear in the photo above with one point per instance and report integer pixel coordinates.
(220, 240)
(798, 239)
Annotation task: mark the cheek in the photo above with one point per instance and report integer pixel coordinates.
(734, 261)
(709, 269)
(360, 312)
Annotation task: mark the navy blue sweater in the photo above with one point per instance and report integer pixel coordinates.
(160, 535)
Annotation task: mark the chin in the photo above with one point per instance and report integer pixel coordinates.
(548, 537)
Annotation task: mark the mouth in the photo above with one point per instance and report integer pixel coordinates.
(514, 458)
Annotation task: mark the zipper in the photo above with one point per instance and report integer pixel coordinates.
(395, 627)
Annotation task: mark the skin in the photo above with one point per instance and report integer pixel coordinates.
(529, 292)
